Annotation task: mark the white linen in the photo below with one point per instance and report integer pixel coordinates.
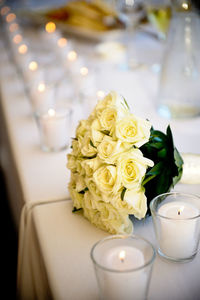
(65, 240)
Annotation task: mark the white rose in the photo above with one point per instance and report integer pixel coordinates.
(133, 130)
(71, 162)
(76, 197)
(109, 149)
(91, 165)
(86, 148)
(108, 119)
(137, 200)
(76, 147)
(82, 128)
(96, 137)
(105, 216)
(105, 178)
(93, 189)
(112, 100)
(131, 168)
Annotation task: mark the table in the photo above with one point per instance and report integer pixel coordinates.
(51, 237)
(62, 241)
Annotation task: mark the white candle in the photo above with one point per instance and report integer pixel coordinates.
(42, 96)
(33, 74)
(124, 284)
(54, 127)
(64, 47)
(177, 236)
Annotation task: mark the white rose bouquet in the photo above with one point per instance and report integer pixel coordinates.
(115, 155)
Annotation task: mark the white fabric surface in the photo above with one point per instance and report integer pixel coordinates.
(65, 240)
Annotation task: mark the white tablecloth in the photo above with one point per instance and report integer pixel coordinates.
(57, 246)
(54, 244)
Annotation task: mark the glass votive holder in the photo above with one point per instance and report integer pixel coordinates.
(123, 265)
(42, 96)
(54, 129)
(176, 218)
(32, 72)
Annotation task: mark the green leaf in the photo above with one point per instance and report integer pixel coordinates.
(162, 153)
(91, 143)
(106, 132)
(83, 191)
(168, 163)
(123, 193)
(155, 170)
(147, 179)
(90, 157)
(125, 102)
(76, 209)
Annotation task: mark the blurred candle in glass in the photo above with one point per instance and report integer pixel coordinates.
(42, 96)
(54, 127)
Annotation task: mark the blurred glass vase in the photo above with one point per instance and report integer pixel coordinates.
(179, 90)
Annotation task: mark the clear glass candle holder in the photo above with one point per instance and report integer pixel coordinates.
(176, 218)
(42, 95)
(54, 129)
(123, 266)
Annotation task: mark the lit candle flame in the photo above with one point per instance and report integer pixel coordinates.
(41, 87)
(50, 27)
(72, 56)
(22, 49)
(51, 112)
(100, 94)
(5, 10)
(13, 27)
(84, 71)
(33, 66)
(62, 42)
(10, 17)
(185, 5)
(17, 39)
(180, 210)
(122, 255)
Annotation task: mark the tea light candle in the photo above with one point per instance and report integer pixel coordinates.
(33, 74)
(54, 126)
(42, 96)
(123, 258)
(73, 62)
(64, 47)
(121, 285)
(178, 229)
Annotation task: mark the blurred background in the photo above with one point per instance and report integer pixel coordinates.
(76, 51)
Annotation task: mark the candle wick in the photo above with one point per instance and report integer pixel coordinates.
(122, 260)
(179, 212)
